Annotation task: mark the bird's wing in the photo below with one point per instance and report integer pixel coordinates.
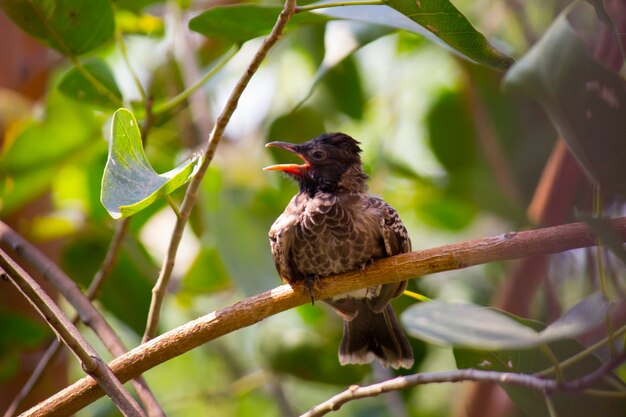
(396, 240)
(281, 236)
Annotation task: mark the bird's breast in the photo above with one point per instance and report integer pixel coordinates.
(331, 237)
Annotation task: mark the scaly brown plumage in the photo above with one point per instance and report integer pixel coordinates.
(333, 226)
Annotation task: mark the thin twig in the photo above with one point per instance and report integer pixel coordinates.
(182, 96)
(547, 386)
(160, 289)
(310, 7)
(119, 37)
(110, 260)
(90, 361)
(461, 375)
(33, 378)
(261, 306)
(90, 315)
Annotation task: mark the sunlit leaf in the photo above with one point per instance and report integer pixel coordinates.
(437, 20)
(586, 101)
(65, 129)
(139, 24)
(242, 22)
(71, 27)
(67, 133)
(75, 85)
(129, 183)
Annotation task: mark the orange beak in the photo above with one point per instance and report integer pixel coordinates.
(289, 168)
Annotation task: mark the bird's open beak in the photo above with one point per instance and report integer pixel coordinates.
(289, 168)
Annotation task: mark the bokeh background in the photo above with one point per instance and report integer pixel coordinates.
(457, 155)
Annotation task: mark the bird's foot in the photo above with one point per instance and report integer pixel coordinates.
(309, 283)
(366, 264)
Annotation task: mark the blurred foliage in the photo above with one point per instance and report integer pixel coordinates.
(418, 83)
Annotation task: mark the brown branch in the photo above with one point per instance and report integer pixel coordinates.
(160, 289)
(81, 302)
(90, 361)
(547, 386)
(254, 309)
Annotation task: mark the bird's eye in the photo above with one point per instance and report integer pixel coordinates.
(318, 154)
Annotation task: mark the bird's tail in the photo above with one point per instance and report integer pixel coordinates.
(372, 335)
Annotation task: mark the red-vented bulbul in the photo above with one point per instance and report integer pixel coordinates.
(332, 226)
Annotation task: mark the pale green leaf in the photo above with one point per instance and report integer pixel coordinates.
(129, 183)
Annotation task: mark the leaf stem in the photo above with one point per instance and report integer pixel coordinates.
(555, 362)
(415, 295)
(182, 96)
(600, 250)
(310, 7)
(122, 45)
(580, 355)
(550, 405)
(102, 89)
(173, 205)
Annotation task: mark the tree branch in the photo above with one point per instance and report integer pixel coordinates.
(90, 361)
(81, 303)
(160, 288)
(244, 313)
(547, 386)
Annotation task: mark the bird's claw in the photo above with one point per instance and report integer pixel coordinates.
(309, 283)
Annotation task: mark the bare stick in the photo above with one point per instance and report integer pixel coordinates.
(82, 304)
(546, 386)
(90, 361)
(160, 289)
(254, 309)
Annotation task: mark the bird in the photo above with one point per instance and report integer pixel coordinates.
(331, 226)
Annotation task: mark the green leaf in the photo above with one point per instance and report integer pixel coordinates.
(207, 274)
(337, 53)
(67, 133)
(75, 85)
(300, 124)
(308, 355)
(71, 27)
(129, 183)
(608, 236)
(127, 292)
(466, 325)
(343, 83)
(470, 325)
(589, 312)
(65, 129)
(586, 101)
(453, 144)
(530, 361)
(437, 20)
(20, 332)
(242, 22)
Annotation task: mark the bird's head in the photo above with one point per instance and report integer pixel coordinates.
(331, 163)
